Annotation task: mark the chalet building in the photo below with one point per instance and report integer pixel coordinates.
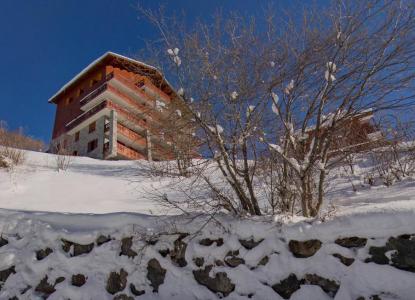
(352, 134)
(106, 110)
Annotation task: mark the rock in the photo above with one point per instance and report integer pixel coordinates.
(378, 255)
(23, 291)
(123, 297)
(219, 284)
(102, 239)
(199, 261)
(43, 253)
(250, 244)
(126, 244)
(44, 287)
(59, 280)
(263, 261)
(3, 241)
(164, 252)
(136, 292)
(344, 260)
(178, 254)
(403, 256)
(4, 274)
(78, 249)
(78, 280)
(233, 261)
(285, 288)
(209, 242)
(402, 253)
(352, 242)
(155, 273)
(14, 298)
(303, 249)
(232, 253)
(151, 241)
(330, 287)
(117, 282)
(219, 263)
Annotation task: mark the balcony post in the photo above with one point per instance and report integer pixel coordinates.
(148, 139)
(113, 133)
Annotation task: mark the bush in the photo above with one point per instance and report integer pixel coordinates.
(13, 144)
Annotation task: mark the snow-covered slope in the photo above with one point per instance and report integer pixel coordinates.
(95, 186)
(88, 186)
(42, 208)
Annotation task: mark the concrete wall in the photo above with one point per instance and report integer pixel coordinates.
(81, 146)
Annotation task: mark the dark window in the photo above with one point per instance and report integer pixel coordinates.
(77, 136)
(70, 100)
(75, 153)
(92, 145)
(92, 127)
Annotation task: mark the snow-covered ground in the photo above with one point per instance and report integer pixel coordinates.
(95, 186)
(88, 186)
(39, 206)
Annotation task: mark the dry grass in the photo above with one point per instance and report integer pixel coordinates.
(13, 144)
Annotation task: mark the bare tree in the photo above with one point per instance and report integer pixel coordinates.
(294, 90)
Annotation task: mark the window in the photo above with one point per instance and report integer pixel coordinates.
(92, 145)
(70, 100)
(92, 127)
(77, 136)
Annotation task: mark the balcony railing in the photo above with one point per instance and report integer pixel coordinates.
(133, 136)
(128, 152)
(96, 89)
(86, 115)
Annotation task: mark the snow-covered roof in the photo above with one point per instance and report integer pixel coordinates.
(96, 62)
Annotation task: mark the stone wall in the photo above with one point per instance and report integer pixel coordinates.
(177, 264)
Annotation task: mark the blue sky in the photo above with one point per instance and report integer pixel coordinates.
(44, 43)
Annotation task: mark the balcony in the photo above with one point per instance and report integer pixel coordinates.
(131, 138)
(127, 152)
(86, 115)
(96, 89)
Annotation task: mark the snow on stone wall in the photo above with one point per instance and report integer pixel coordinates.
(131, 256)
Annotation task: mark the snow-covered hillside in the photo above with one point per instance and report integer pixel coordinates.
(88, 186)
(87, 233)
(95, 186)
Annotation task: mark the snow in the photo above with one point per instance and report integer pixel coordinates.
(234, 95)
(120, 186)
(109, 186)
(275, 100)
(39, 206)
(216, 129)
(249, 110)
(289, 87)
(93, 64)
(329, 77)
(331, 69)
